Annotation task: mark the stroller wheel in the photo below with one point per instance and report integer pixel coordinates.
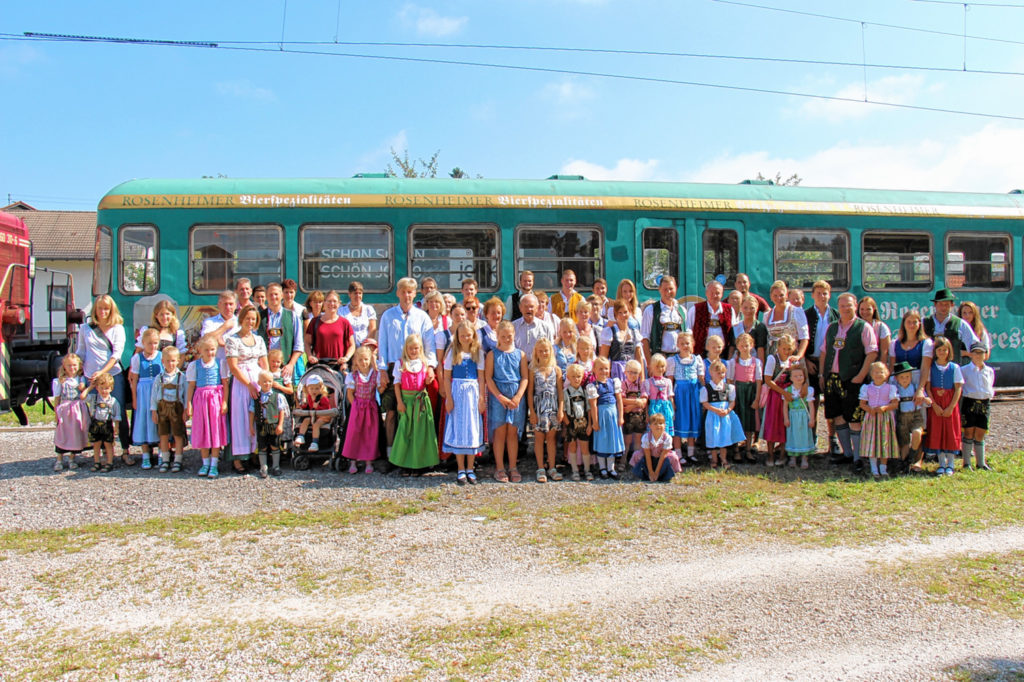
(301, 462)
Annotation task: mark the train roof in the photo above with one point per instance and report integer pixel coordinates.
(556, 186)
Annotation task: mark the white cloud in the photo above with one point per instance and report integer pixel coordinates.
(895, 89)
(624, 169)
(245, 89)
(988, 160)
(376, 160)
(567, 99)
(16, 55)
(427, 22)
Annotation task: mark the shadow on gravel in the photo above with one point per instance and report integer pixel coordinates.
(321, 475)
(988, 669)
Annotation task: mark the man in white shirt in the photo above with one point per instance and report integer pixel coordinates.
(529, 328)
(659, 333)
(224, 324)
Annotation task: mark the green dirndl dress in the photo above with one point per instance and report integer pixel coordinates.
(415, 445)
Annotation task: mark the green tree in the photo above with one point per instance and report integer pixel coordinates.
(415, 168)
(792, 181)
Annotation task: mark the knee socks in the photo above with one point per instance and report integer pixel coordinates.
(874, 466)
(855, 444)
(845, 442)
(979, 454)
(966, 448)
(275, 458)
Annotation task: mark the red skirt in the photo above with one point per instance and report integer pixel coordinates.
(943, 432)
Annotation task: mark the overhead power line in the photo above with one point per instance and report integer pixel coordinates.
(538, 48)
(972, 4)
(535, 69)
(864, 22)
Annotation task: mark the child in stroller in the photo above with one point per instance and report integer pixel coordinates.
(320, 411)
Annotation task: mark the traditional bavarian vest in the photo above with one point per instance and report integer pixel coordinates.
(702, 322)
(621, 351)
(718, 395)
(832, 315)
(851, 353)
(951, 332)
(286, 331)
(558, 304)
(656, 329)
(515, 313)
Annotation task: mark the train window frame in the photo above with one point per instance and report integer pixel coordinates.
(121, 261)
(925, 285)
(456, 227)
(1007, 264)
(234, 226)
(557, 227)
(845, 234)
(709, 226)
(673, 268)
(387, 227)
(98, 286)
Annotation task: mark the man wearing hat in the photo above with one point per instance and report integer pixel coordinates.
(844, 360)
(945, 323)
(979, 389)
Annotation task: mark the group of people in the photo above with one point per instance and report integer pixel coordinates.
(607, 381)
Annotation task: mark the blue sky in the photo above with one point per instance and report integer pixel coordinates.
(82, 117)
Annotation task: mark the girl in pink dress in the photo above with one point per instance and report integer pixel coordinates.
(776, 380)
(207, 404)
(362, 435)
(71, 435)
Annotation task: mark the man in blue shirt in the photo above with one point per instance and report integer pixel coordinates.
(396, 324)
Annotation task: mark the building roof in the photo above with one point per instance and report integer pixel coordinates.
(58, 235)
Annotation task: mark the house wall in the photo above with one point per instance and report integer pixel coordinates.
(81, 273)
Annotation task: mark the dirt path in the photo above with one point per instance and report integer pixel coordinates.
(402, 597)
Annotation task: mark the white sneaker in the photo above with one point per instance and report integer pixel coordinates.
(58, 465)
(300, 439)
(314, 447)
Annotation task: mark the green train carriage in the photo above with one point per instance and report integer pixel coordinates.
(189, 239)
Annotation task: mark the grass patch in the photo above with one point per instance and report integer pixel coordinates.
(735, 506)
(33, 412)
(183, 529)
(514, 643)
(507, 645)
(974, 673)
(989, 582)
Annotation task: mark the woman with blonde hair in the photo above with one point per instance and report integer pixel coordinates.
(101, 345)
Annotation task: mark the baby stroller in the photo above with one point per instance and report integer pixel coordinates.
(329, 442)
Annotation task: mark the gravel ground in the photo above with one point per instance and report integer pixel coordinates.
(441, 594)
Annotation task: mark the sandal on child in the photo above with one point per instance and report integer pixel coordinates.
(501, 476)
(575, 476)
(106, 468)
(542, 476)
(553, 474)
(96, 467)
(590, 475)
(127, 459)
(352, 468)
(514, 475)
(176, 468)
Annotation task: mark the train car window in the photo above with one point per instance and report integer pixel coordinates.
(804, 256)
(979, 261)
(721, 252)
(220, 254)
(452, 253)
(138, 264)
(897, 260)
(103, 261)
(333, 256)
(661, 255)
(548, 250)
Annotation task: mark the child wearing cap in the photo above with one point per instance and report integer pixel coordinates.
(979, 389)
(909, 418)
(314, 397)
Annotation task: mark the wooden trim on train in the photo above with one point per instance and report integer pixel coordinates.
(550, 202)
